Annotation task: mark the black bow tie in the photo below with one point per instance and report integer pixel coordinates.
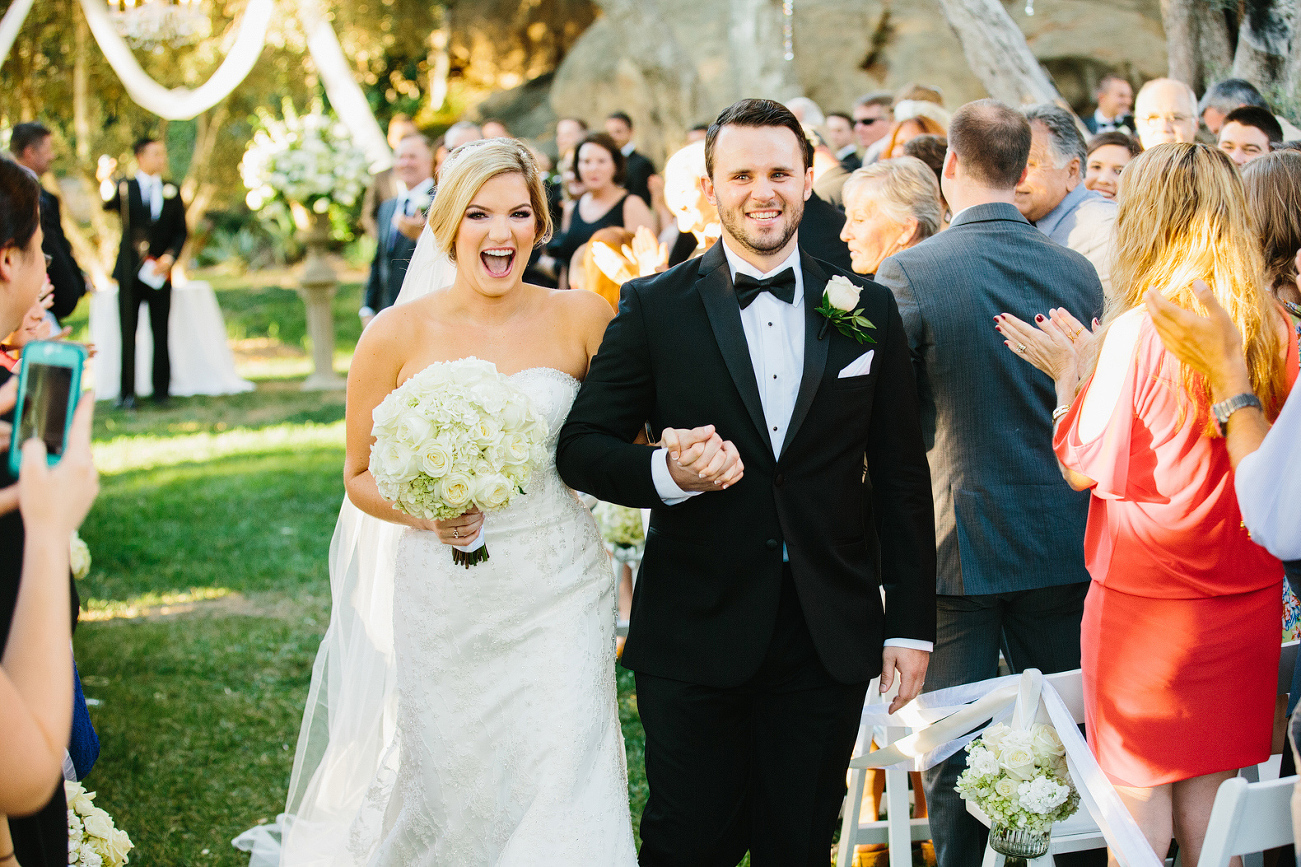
(781, 285)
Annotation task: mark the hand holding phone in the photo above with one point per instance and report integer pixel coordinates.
(49, 382)
(55, 498)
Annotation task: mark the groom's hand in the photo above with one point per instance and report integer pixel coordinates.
(909, 666)
(700, 460)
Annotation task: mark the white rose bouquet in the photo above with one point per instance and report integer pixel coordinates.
(92, 839)
(456, 436)
(1018, 777)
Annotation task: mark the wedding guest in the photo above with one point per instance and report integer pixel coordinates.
(1165, 110)
(32, 146)
(911, 119)
(1052, 195)
(1249, 133)
(806, 111)
(697, 133)
(1184, 607)
(461, 132)
(493, 128)
(153, 233)
(1224, 96)
(569, 132)
(1108, 154)
(1273, 185)
(889, 206)
(696, 219)
(605, 201)
(639, 170)
(931, 149)
(872, 118)
(604, 274)
(402, 218)
(384, 185)
(839, 130)
(37, 600)
(1114, 98)
(986, 422)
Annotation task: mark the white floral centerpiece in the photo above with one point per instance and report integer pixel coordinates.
(456, 436)
(621, 526)
(1019, 779)
(93, 841)
(305, 159)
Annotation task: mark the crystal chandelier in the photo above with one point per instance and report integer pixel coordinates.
(153, 24)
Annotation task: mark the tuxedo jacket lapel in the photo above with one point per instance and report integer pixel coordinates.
(715, 287)
(815, 350)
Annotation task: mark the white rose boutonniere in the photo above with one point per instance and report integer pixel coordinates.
(169, 191)
(839, 307)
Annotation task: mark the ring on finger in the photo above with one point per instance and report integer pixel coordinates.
(1077, 333)
(456, 532)
(1020, 347)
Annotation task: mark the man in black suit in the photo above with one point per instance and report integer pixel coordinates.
(640, 170)
(757, 620)
(401, 220)
(153, 233)
(33, 148)
(839, 130)
(1115, 97)
(1010, 531)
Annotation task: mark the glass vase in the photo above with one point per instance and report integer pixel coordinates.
(1018, 842)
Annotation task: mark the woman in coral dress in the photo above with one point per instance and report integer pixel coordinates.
(1180, 638)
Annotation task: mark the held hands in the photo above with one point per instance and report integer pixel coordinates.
(461, 530)
(700, 460)
(1210, 345)
(909, 666)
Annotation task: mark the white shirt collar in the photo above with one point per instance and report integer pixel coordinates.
(846, 151)
(142, 178)
(627, 149)
(737, 265)
(424, 187)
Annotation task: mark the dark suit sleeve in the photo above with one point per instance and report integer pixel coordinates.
(179, 231)
(66, 277)
(374, 284)
(892, 275)
(595, 453)
(901, 490)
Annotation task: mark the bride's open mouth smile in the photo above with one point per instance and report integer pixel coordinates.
(498, 261)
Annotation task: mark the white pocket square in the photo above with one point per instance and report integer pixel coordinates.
(860, 366)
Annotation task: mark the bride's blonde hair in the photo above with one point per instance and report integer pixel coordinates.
(1182, 217)
(466, 171)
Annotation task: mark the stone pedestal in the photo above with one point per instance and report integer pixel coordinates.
(317, 285)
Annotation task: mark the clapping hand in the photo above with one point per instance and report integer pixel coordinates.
(1211, 345)
(646, 252)
(611, 263)
(700, 460)
(1056, 346)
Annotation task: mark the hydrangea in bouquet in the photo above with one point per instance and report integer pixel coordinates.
(1018, 777)
(92, 839)
(456, 436)
(305, 159)
(620, 526)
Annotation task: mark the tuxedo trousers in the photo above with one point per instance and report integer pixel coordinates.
(759, 767)
(129, 299)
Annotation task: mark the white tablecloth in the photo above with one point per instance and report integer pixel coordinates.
(202, 362)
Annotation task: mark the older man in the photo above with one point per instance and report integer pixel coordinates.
(401, 219)
(1165, 110)
(1052, 195)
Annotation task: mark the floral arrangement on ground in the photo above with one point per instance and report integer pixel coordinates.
(1019, 778)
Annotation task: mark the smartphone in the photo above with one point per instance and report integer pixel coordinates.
(49, 384)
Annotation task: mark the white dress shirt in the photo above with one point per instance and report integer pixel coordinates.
(774, 333)
(421, 193)
(1266, 482)
(151, 191)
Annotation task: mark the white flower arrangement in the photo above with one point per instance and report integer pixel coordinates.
(78, 556)
(1018, 777)
(93, 841)
(620, 526)
(456, 436)
(309, 159)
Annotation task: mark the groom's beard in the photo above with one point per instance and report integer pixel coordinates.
(736, 226)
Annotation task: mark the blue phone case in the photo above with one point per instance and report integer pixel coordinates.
(53, 354)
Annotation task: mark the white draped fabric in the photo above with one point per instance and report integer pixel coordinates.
(943, 722)
(202, 362)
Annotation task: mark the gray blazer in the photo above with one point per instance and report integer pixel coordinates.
(1005, 519)
(1083, 221)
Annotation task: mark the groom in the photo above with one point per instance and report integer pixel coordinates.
(757, 621)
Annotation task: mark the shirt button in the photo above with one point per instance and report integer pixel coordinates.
(774, 427)
(771, 544)
(774, 376)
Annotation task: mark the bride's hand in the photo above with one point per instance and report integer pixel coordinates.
(461, 530)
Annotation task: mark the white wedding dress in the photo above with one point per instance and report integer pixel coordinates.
(464, 717)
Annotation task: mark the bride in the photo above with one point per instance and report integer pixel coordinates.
(503, 746)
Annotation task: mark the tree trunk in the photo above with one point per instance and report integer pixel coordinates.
(197, 189)
(1197, 42)
(755, 40)
(1265, 40)
(440, 62)
(997, 52)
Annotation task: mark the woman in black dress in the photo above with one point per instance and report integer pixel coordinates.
(601, 168)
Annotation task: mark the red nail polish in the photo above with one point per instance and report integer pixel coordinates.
(1039, 317)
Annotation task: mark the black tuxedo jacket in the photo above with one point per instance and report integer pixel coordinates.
(142, 236)
(820, 233)
(707, 593)
(65, 274)
(389, 267)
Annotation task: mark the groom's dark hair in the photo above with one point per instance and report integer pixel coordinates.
(756, 113)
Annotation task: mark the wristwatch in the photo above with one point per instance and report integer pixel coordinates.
(1225, 408)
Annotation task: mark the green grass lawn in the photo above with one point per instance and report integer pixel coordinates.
(209, 591)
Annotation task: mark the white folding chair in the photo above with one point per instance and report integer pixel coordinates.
(1248, 818)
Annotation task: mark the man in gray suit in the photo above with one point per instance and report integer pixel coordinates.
(399, 222)
(1052, 194)
(1009, 532)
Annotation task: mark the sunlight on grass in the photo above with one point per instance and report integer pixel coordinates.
(126, 453)
(99, 610)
